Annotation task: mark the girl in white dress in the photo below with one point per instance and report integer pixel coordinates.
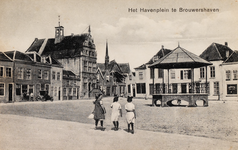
(116, 112)
(130, 114)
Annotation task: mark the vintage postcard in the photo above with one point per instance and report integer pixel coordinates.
(129, 74)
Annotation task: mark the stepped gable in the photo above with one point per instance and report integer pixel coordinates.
(216, 52)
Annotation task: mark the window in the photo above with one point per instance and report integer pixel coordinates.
(46, 75)
(130, 77)
(20, 73)
(151, 89)
(141, 75)
(74, 92)
(185, 74)
(172, 74)
(160, 73)
(1, 71)
(85, 68)
(58, 75)
(70, 91)
(8, 72)
(64, 91)
(234, 74)
(28, 74)
(228, 75)
(151, 73)
(52, 90)
(141, 88)
(1, 89)
(39, 74)
(212, 71)
(18, 89)
(216, 88)
(202, 72)
(47, 87)
(30, 89)
(53, 75)
(232, 89)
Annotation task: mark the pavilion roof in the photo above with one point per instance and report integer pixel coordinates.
(180, 58)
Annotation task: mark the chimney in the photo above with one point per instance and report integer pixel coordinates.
(226, 44)
(227, 53)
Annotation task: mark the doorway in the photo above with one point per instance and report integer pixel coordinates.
(10, 93)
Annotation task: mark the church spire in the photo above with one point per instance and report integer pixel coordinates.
(89, 30)
(106, 57)
(59, 20)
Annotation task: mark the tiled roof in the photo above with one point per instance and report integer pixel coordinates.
(60, 50)
(125, 67)
(16, 55)
(180, 58)
(161, 53)
(141, 67)
(115, 67)
(4, 57)
(233, 57)
(67, 74)
(216, 52)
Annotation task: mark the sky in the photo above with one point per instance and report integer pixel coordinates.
(133, 37)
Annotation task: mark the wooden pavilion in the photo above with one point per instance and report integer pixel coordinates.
(180, 58)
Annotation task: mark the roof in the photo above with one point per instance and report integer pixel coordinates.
(16, 55)
(125, 67)
(161, 53)
(67, 74)
(216, 52)
(113, 66)
(141, 67)
(60, 50)
(180, 58)
(233, 57)
(3, 57)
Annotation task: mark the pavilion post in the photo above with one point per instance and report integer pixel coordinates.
(153, 75)
(192, 80)
(206, 81)
(168, 81)
(163, 86)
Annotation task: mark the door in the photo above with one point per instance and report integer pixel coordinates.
(59, 95)
(89, 89)
(10, 93)
(184, 88)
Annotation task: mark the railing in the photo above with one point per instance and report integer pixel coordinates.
(180, 88)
